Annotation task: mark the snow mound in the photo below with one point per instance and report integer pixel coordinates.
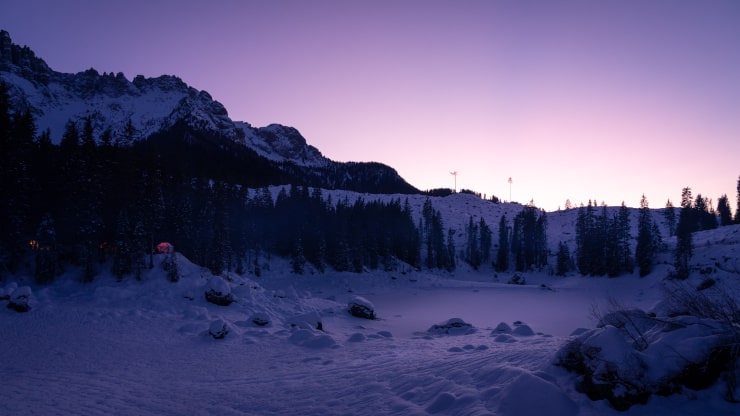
(523, 330)
(310, 320)
(7, 291)
(533, 394)
(218, 329)
(20, 299)
(453, 326)
(312, 339)
(357, 337)
(502, 328)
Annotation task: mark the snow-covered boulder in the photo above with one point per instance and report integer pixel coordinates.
(635, 355)
(454, 326)
(20, 299)
(218, 329)
(218, 292)
(361, 308)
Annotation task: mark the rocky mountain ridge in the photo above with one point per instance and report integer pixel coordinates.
(150, 105)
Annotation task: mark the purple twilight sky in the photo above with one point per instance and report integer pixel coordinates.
(601, 100)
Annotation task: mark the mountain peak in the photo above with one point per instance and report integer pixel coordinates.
(19, 59)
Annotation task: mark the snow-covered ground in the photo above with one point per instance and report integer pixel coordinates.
(146, 347)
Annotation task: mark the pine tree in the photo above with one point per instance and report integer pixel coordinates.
(472, 253)
(647, 240)
(705, 217)
(670, 218)
(170, 266)
(723, 209)
(563, 259)
(686, 226)
(737, 209)
(623, 237)
(529, 239)
(123, 254)
(297, 259)
(46, 253)
(484, 240)
(127, 136)
(450, 263)
(502, 256)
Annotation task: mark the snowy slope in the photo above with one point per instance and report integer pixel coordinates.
(458, 208)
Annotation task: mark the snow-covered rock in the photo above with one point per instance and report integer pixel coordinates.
(453, 326)
(218, 329)
(260, 319)
(20, 299)
(361, 308)
(218, 292)
(633, 357)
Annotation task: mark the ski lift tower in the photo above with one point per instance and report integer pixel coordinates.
(455, 175)
(510, 189)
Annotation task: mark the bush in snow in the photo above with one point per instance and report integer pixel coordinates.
(219, 292)
(454, 326)
(20, 299)
(169, 264)
(361, 308)
(218, 329)
(517, 280)
(632, 355)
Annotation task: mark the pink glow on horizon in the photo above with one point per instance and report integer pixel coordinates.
(573, 100)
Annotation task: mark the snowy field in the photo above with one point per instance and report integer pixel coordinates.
(144, 347)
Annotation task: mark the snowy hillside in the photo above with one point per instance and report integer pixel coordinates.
(458, 208)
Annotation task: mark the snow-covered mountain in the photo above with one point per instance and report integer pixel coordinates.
(110, 101)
